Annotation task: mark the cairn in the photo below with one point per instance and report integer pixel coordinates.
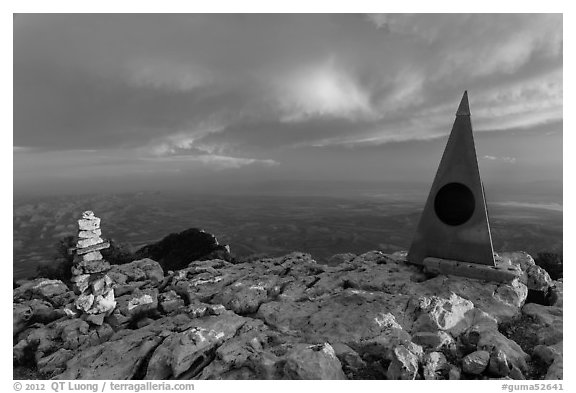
(94, 286)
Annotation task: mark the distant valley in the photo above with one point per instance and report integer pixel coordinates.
(272, 225)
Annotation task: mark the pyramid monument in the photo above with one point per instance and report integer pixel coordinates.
(454, 224)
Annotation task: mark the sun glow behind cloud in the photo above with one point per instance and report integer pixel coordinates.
(213, 92)
(322, 91)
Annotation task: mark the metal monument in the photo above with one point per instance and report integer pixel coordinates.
(453, 234)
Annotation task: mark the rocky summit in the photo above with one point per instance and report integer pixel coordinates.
(372, 316)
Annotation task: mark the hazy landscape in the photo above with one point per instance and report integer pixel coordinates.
(268, 224)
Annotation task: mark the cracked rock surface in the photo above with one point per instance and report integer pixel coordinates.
(371, 316)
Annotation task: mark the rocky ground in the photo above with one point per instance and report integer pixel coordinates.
(371, 316)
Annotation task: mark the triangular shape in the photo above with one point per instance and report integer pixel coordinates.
(454, 224)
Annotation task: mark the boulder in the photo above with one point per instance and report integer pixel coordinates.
(500, 300)
(552, 357)
(355, 318)
(121, 355)
(404, 364)
(556, 297)
(447, 314)
(245, 296)
(516, 373)
(548, 322)
(433, 340)
(534, 276)
(170, 301)
(246, 355)
(306, 361)
(435, 366)
(138, 304)
(116, 359)
(21, 315)
(141, 270)
(498, 365)
(454, 373)
(177, 250)
(341, 258)
(555, 371)
(475, 362)
(351, 361)
(191, 350)
(41, 288)
(488, 339)
(55, 363)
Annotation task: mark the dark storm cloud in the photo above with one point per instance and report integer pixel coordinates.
(236, 90)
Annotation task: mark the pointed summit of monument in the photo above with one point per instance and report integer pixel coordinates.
(463, 109)
(454, 224)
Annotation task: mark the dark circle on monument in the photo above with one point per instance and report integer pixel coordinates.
(454, 204)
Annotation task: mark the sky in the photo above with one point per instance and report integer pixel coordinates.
(198, 101)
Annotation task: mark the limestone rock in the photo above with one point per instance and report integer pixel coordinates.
(100, 285)
(488, 339)
(93, 248)
(84, 302)
(435, 366)
(498, 365)
(245, 296)
(556, 369)
(552, 356)
(81, 282)
(535, 277)
(306, 361)
(90, 267)
(21, 314)
(354, 318)
(192, 347)
(351, 361)
(549, 321)
(89, 224)
(475, 362)
(433, 340)
(103, 304)
(547, 353)
(404, 364)
(117, 359)
(557, 293)
(246, 355)
(55, 363)
(140, 270)
(92, 256)
(454, 373)
(88, 215)
(444, 314)
(95, 319)
(48, 288)
(177, 250)
(91, 241)
(341, 258)
(373, 310)
(516, 373)
(89, 234)
(139, 303)
(501, 301)
(170, 301)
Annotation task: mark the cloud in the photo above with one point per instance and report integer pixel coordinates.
(233, 88)
(215, 161)
(166, 75)
(322, 90)
(507, 160)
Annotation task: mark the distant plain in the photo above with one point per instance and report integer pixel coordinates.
(270, 225)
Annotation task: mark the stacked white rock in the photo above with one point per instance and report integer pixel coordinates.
(94, 286)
